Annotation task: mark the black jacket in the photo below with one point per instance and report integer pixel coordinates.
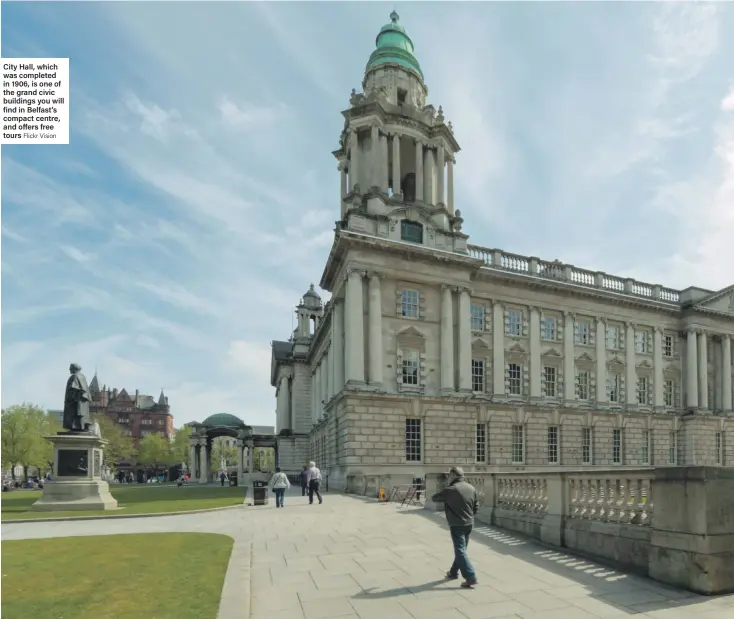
(304, 475)
(460, 501)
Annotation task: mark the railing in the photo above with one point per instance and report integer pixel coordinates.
(611, 497)
(522, 493)
(556, 270)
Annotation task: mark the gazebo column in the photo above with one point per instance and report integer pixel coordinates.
(240, 467)
(251, 456)
(192, 461)
(204, 463)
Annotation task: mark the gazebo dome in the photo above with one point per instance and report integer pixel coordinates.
(394, 46)
(223, 420)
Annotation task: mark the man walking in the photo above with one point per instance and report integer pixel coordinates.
(461, 504)
(304, 480)
(313, 478)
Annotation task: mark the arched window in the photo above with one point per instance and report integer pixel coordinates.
(411, 231)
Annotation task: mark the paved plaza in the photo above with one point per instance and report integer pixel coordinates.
(352, 558)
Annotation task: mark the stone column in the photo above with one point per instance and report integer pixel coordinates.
(498, 349)
(286, 419)
(440, 171)
(251, 456)
(337, 344)
(703, 371)
(726, 373)
(375, 331)
(240, 463)
(419, 171)
(630, 366)
(204, 464)
(450, 184)
(355, 163)
(332, 360)
(464, 320)
(569, 360)
(343, 189)
(691, 370)
(376, 176)
(447, 340)
(192, 462)
(324, 391)
(314, 407)
(535, 369)
(384, 173)
(354, 329)
(429, 175)
(657, 363)
(601, 360)
(396, 188)
(279, 407)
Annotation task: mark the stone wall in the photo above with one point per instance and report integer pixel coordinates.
(292, 453)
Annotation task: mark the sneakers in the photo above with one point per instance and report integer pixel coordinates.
(468, 584)
(450, 576)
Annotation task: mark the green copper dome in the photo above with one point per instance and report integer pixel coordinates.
(394, 47)
(225, 420)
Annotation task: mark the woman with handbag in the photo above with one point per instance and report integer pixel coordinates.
(279, 484)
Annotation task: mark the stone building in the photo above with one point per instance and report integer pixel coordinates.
(432, 351)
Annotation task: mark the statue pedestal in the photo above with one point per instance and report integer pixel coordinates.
(77, 484)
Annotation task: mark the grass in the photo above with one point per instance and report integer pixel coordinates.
(148, 576)
(132, 499)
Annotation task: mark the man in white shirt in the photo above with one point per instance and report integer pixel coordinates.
(313, 479)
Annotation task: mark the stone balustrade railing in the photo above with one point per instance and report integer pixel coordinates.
(556, 270)
(675, 524)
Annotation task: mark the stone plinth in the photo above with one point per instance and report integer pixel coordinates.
(692, 543)
(77, 483)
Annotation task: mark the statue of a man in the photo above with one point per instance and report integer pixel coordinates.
(76, 401)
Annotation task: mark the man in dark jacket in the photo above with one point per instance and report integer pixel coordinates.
(304, 480)
(461, 504)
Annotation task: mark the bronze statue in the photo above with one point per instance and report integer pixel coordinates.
(76, 401)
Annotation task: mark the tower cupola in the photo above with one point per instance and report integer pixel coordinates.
(394, 46)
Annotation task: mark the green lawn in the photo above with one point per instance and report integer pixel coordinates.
(148, 576)
(132, 499)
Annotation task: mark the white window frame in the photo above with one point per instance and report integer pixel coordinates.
(413, 440)
(554, 433)
(512, 381)
(410, 360)
(641, 347)
(614, 381)
(146, 422)
(511, 323)
(668, 345)
(643, 390)
(646, 444)
(582, 333)
(587, 445)
(410, 300)
(583, 385)
(480, 449)
(548, 328)
(478, 317)
(673, 447)
(612, 333)
(478, 379)
(518, 444)
(669, 392)
(553, 382)
(617, 446)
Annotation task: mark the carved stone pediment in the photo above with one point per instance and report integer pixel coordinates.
(616, 362)
(479, 342)
(410, 332)
(552, 353)
(644, 365)
(585, 358)
(517, 349)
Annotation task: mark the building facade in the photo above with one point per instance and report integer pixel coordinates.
(432, 351)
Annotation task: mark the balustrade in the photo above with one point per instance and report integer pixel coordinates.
(611, 497)
(523, 494)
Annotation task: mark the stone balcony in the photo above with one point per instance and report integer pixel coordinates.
(673, 524)
(566, 273)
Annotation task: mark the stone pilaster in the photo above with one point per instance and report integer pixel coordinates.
(691, 370)
(429, 175)
(343, 189)
(601, 361)
(657, 363)
(450, 185)
(355, 163)
(703, 371)
(447, 340)
(535, 369)
(498, 349)
(324, 390)
(440, 175)
(726, 396)
(569, 361)
(396, 188)
(419, 171)
(354, 329)
(384, 160)
(464, 321)
(630, 366)
(337, 344)
(375, 152)
(375, 331)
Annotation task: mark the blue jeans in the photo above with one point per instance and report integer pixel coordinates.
(279, 494)
(460, 538)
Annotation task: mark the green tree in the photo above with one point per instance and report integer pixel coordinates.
(24, 427)
(120, 447)
(155, 451)
(222, 450)
(40, 425)
(180, 446)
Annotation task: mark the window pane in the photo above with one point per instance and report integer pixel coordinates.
(481, 445)
(409, 303)
(413, 440)
(477, 374)
(411, 231)
(553, 444)
(518, 446)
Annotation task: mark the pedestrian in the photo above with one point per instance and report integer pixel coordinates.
(222, 477)
(279, 484)
(304, 480)
(460, 504)
(313, 478)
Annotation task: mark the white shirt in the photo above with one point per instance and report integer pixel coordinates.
(313, 474)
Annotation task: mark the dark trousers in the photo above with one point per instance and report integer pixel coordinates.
(313, 487)
(279, 494)
(460, 538)
(304, 487)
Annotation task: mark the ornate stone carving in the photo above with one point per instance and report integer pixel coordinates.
(439, 117)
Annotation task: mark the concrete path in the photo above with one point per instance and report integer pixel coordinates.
(355, 559)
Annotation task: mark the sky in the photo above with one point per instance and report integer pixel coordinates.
(169, 242)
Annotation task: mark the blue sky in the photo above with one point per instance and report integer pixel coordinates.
(169, 242)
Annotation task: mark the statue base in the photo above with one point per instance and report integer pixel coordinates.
(77, 484)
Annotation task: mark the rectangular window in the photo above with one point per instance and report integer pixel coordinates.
(518, 444)
(667, 345)
(643, 389)
(582, 384)
(582, 331)
(411, 231)
(719, 445)
(617, 446)
(645, 457)
(641, 342)
(668, 392)
(612, 337)
(552, 444)
(613, 382)
(410, 367)
(673, 448)
(147, 422)
(409, 303)
(477, 375)
(586, 446)
(481, 445)
(413, 440)
(548, 328)
(549, 379)
(477, 317)
(514, 322)
(514, 372)
(123, 420)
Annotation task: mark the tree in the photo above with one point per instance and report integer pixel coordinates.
(222, 450)
(155, 452)
(41, 454)
(180, 446)
(120, 447)
(24, 427)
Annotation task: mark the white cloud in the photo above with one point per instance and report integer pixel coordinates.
(76, 254)
(249, 116)
(727, 104)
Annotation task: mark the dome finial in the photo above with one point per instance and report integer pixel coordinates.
(394, 17)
